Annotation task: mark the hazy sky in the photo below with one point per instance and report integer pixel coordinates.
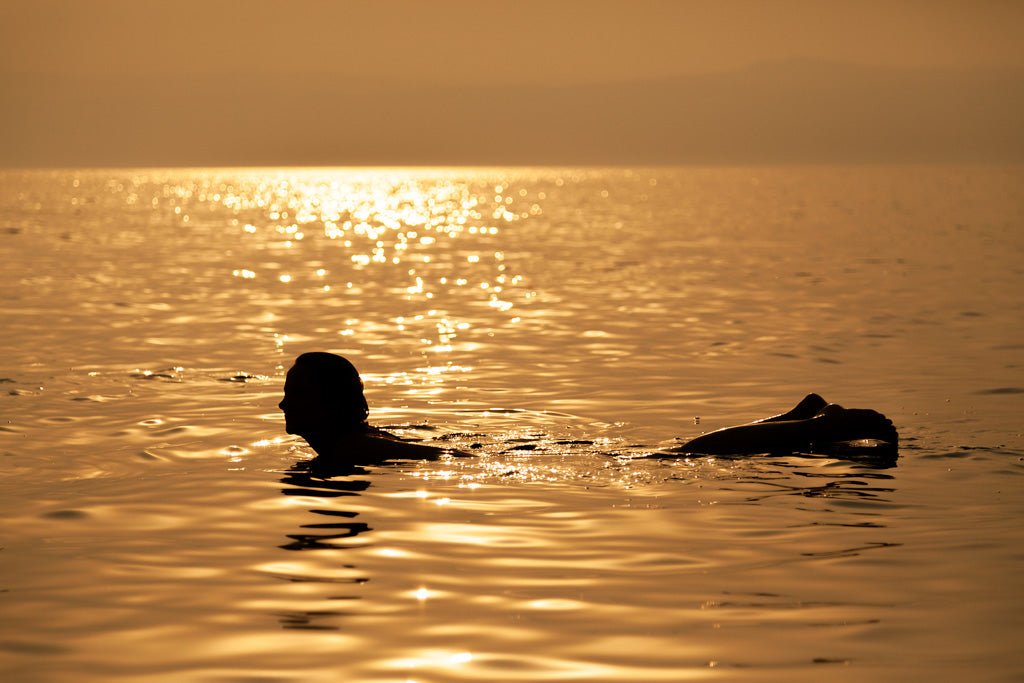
(546, 41)
(83, 64)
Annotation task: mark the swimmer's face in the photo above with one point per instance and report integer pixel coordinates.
(306, 408)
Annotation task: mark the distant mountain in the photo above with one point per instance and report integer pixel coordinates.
(782, 112)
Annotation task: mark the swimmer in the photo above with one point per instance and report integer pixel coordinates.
(324, 404)
(813, 425)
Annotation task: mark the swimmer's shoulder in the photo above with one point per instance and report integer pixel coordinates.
(380, 445)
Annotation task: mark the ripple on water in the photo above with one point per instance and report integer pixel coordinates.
(66, 514)
(561, 336)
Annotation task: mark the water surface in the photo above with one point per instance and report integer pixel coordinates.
(560, 325)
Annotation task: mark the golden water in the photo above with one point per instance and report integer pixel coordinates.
(559, 325)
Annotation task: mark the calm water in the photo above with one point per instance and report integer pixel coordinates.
(560, 325)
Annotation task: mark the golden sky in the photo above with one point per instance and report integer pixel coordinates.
(438, 81)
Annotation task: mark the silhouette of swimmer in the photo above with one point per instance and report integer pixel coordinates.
(324, 404)
(813, 425)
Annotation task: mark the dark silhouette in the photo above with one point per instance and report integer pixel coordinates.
(324, 404)
(812, 426)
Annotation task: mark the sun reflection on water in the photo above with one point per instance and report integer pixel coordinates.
(427, 243)
(176, 512)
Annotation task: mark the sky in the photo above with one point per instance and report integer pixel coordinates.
(110, 82)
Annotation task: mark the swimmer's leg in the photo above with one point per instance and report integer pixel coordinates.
(808, 407)
(786, 432)
(831, 424)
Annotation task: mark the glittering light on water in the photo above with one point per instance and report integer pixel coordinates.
(385, 221)
(434, 659)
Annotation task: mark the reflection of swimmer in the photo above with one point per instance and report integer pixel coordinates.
(811, 426)
(324, 404)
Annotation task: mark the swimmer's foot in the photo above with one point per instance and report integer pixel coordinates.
(808, 407)
(836, 423)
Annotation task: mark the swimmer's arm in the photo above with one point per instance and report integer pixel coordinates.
(783, 436)
(387, 447)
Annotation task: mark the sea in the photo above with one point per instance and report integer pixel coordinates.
(561, 329)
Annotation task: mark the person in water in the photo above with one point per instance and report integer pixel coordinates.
(324, 404)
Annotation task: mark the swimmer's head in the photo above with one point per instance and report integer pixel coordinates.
(323, 394)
